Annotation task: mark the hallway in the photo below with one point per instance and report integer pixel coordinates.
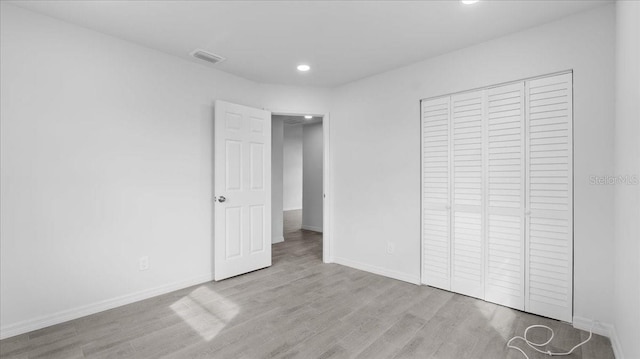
(297, 242)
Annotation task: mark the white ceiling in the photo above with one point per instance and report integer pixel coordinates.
(342, 40)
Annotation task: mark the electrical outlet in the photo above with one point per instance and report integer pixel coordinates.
(390, 247)
(143, 263)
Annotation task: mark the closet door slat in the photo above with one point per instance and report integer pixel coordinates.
(436, 225)
(467, 245)
(549, 200)
(505, 195)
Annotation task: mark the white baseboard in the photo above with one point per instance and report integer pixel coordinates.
(312, 228)
(615, 344)
(605, 329)
(377, 270)
(277, 240)
(82, 311)
(291, 209)
(586, 324)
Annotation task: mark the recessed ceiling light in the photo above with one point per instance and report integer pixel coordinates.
(308, 117)
(469, 2)
(304, 68)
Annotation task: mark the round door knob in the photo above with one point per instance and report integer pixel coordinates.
(221, 199)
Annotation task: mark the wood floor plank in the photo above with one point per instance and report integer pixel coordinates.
(436, 332)
(394, 338)
(300, 308)
(15, 346)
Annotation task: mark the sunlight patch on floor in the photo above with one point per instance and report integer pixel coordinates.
(500, 319)
(206, 311)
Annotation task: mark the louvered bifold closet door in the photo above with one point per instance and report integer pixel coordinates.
(435, 193)
(505, 168)
(467, 264)
(549, 234)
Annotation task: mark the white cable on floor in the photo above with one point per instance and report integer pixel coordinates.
(536, 346)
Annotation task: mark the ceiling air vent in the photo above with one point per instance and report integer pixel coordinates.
(207, 56)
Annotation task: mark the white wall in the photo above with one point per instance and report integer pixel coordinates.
(277, 145)
(375, 129)
(106, 151)
(627, 197)
(312, 190)
(292, 167)
(296, 100)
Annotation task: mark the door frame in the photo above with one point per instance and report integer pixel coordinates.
(327, 182)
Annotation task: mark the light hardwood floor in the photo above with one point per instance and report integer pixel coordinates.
(299, 308)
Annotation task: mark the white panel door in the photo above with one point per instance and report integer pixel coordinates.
(242, 186)
(435, 193)
(549, 174)
(505, 167)
(467, 240)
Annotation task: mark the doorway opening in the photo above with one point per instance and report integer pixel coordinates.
(298, 188)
